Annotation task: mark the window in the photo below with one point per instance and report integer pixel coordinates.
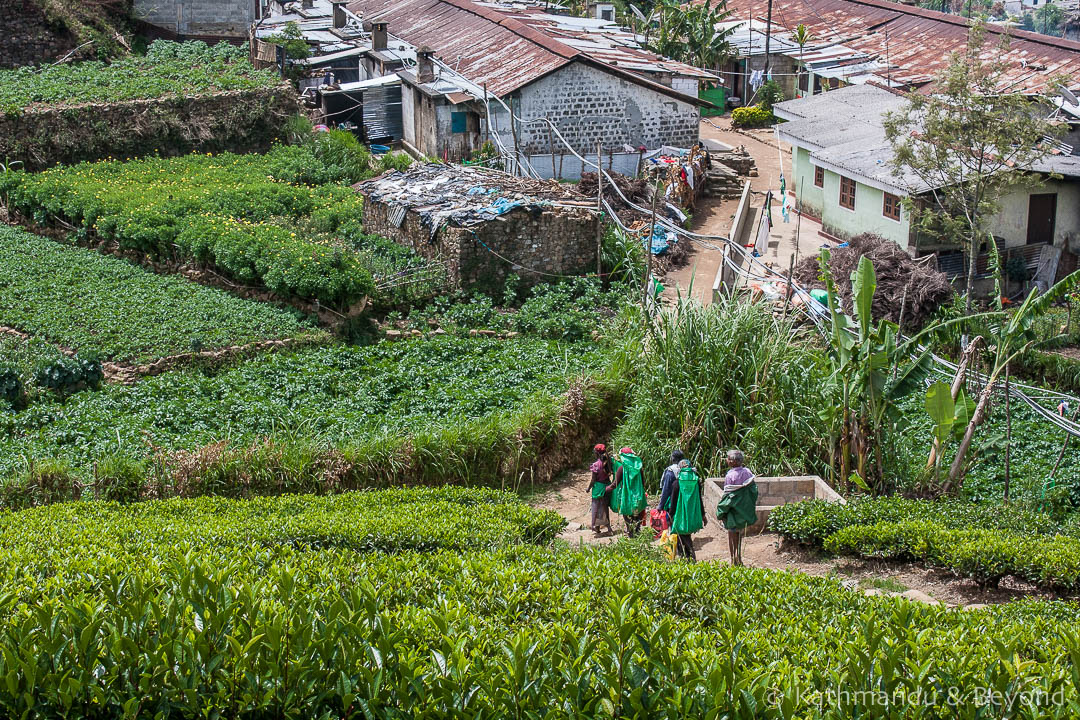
(819, 177)
(607, 14)
(847, 193)
(459, 122)
(891, 207)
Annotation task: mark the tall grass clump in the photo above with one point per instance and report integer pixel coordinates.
(726, 375)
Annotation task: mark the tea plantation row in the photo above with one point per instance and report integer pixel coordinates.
(984, 542)
(167, 69)
(177, 610)
(446, 409)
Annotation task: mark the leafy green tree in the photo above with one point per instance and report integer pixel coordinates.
(689, 33)
(801, 36)
(291, 41)
(1048, 19)
(967, 142)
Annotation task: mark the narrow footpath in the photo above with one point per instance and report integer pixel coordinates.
(570, 498)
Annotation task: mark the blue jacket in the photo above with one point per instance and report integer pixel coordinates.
(669, 488)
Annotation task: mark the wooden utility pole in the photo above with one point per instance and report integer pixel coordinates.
(768, 33)
(551, 144)
(513, 129)
(599, 220)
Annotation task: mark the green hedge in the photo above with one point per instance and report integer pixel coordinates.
(164, 610)
(977, 540)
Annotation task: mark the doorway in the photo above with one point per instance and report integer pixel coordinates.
(1042, 209)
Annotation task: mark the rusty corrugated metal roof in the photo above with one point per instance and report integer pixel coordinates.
(489, 46)
(484, 46)
(916, 43)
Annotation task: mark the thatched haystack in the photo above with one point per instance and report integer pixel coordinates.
(927, 289)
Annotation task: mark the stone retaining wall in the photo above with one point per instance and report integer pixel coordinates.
(234, 121)
(534, 245)
(27, 38)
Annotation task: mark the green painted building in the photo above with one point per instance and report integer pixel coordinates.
(843, 175)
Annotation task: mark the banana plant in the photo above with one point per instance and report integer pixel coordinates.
(872, 366)
(950, 416)
(1010, 337)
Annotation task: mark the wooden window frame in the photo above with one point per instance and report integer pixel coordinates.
(888, 199)
(819, 176)
(854, 186)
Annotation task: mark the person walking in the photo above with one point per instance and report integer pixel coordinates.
(738, 506)
(689, 510)
(667, 483)
(599, 516)
(628, 497)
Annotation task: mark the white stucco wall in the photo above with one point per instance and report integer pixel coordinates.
(1011, 220)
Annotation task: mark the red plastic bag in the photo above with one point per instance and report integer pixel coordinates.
(659, 521)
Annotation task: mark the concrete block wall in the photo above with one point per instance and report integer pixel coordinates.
(27, 37)
(773, 492)
(590, 106)
(213, 18)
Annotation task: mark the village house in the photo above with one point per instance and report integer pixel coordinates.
(843, 175)
(199, 19)
(852, 42)
(541, 87)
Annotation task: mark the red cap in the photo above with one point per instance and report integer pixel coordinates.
(600, 447)
(626, 451)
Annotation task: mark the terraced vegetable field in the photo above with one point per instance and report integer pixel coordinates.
(282, 221)
(85, 301)
(319, 610)
(167, 69)
(461, 399)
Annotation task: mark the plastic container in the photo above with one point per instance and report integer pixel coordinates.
(380, 149)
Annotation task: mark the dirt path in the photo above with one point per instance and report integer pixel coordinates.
(570, 498)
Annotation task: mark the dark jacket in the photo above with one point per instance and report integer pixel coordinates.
(666, 484)
(673, 493)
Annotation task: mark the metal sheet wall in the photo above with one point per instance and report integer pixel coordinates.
(382, 113)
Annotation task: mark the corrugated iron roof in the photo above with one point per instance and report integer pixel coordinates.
(916, 43)
(494, 46)
(484, 46)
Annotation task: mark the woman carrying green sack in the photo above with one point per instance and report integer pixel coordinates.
(689, 510)
(628, 496)
(738, 506)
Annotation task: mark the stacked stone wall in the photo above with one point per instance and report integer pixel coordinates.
(534, 245)
(27, 37)
(234, 121)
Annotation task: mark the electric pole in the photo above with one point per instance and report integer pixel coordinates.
(768, 33)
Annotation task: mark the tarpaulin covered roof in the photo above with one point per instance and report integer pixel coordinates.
(914, 44)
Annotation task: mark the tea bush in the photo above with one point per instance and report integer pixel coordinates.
(978, 540)
(167, 69)
(84, 300)
(212, 619)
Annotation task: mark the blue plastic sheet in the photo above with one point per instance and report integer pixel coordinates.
(662, 240)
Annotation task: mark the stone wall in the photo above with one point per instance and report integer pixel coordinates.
(590, 106)
(28, 38)
(235, 121)
(558, 241)
(203, 18)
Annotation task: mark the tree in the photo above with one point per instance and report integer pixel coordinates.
(968, 143)
(801, 37)
(689, 34)
(1010, 336)
(1048, 19)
